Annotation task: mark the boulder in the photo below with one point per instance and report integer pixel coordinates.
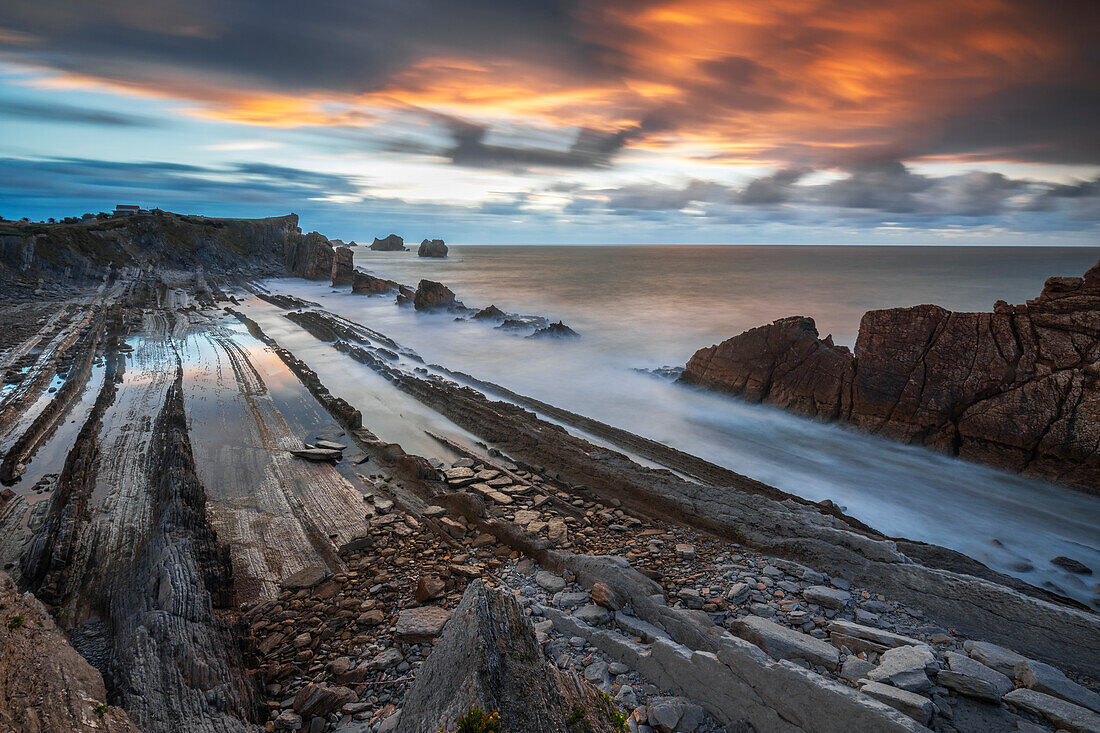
(997, 657)
(429, 587)
(392, 243)
(906, 667)
(782, 642)
(826, 597)
(973, 679)
(415, 625)
(549, 582)
(917, 707)
(489, 658)
(1049, 680)
(319, 700)
(432, 248)
(431, 295)
(1062, 714)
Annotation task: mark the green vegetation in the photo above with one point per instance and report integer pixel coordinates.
(16, 622)
(101, 709)
(477, 721)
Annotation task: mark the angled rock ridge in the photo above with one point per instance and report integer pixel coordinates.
(87, 251)
(1016, 388)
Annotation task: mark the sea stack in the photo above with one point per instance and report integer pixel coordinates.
(392, 243)
(432, 248)
(343, 270)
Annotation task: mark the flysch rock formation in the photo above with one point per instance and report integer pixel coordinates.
(1016, 388)
(212, 581)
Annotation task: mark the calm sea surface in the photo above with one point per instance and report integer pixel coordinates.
(652, 306)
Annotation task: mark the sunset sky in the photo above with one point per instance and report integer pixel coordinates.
(618, 121)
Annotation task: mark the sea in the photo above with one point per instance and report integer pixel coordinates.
(638, 308)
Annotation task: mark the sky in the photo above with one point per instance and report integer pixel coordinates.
(581, 121)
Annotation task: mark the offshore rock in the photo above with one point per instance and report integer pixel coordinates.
(1016, 388)
(431, 295)
(363, 283)
(488, 658)
(432, 248)
(555, 331)
(343, 270)
(392, 243)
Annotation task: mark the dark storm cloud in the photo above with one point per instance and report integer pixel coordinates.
(56, 112)
(590, 149)
(290, 45)
(773, 189)
(886, 190)
(1042, 124)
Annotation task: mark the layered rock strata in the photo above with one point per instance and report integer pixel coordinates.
(1016, 388)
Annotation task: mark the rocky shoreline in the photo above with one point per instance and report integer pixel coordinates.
(212, 579)
(1016, 388)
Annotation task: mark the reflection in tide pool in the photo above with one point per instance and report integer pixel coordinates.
(1013, 524)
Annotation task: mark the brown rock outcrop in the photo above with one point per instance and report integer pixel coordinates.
(343, 269)
(45, 685)
(310, 256)
(366, 284)
(431, 295)
(1016, 388)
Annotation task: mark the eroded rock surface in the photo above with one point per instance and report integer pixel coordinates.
(488, 658)
(1016, 388)
(45, 685)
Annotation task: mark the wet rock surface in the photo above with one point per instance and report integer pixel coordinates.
(1015, 388)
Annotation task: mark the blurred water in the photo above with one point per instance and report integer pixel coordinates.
(650, 306)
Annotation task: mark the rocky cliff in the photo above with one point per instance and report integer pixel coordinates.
(1016, 388)
(85, 251)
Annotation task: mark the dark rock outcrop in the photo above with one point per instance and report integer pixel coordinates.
(555, 331)
(1016, 388)
(364, 283)
(392, 243)
(488, 658)
(431, 295)
(491, 313)
(432, 248)
(310, 256)
(343, 269)
(88, 250)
